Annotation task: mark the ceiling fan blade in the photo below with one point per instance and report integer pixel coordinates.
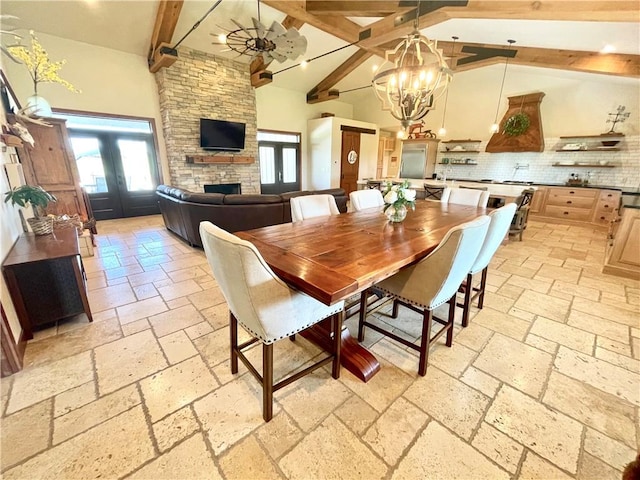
(275, 30)
(291, 47)
(260, 29)
(241, 27)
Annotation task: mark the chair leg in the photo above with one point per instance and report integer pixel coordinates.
(394, 312)
(362, 315)
(424, 344)
(466, 307)
(267, 382)
(483, 285)
(452, 316)
(233, 331)
(337, 320)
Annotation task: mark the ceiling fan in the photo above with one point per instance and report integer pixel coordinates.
(273, 43)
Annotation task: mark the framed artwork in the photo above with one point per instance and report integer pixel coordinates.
(10, 102)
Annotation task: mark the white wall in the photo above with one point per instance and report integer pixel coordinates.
(111, 81)
(287, 110)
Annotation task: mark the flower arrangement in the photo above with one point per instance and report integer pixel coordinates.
(41, 69)
(396, 200)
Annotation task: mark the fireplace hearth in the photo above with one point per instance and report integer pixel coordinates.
(226, 188)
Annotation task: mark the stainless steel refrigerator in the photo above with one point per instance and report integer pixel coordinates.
(415, 161)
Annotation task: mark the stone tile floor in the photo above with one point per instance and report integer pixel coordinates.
(544, 383)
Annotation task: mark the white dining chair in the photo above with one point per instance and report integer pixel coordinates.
(431, 282)
(498, 230)
(311, 206)
(266, 307)
(464, 196)
(370, 198)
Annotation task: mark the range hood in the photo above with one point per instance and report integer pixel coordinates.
(530, 141)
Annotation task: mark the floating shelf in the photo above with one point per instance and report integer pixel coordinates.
(599, 137)
(468, 140)
(474, 163)
(459, 151)
(615, 149)
(590, 165)
(219, 159)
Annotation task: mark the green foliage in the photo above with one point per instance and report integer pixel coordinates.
(517, 124)
(37, 197)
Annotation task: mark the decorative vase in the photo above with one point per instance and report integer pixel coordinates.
(41, 225)
(37, 106)
(396, 214)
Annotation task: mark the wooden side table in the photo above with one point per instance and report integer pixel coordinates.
(45, 278)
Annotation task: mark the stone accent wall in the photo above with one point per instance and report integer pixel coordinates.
(201, 85)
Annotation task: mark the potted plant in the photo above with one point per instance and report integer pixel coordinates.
(38, 198)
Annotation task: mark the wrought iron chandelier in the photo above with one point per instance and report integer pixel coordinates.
(413, 76)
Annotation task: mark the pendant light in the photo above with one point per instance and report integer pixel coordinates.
(443, 131)
(409, 85)
(495, 128)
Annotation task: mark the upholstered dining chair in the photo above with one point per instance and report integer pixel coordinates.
(466, 196)
(361, 199)
(498, 230)
(431, 282)
(265, 307)
(310, 206)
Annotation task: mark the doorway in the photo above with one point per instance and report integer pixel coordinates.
(118, 171)
(279, 154)
(349, 161)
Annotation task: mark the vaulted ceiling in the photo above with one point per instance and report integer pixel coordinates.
(559, 34)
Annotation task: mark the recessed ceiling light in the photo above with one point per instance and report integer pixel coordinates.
(374, 67)
(608, 49)
(304, 64)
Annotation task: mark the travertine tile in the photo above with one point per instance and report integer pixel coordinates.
(127, 360)
(563, 334)
(536, 468)
(110, 450)
(188, 274)
(174, 320)
(615, 314)
(475, 336)
(214, 347)
(217, 316)
(566, 288)
(147, 278)
(247, 459)
(92, 414)
(141, 309)
(110, 297)
(74, 398)
(240, 400)
(525, 272)
(592, 468)
(600, 374)
(177, 346)
(599, 326)
(602, 285)
(515, 363)
(541, 343)
(480, 381)
(198, 330)
(207, 298)
(510, 291)
(568, 275)
(25, 433)
(613, 346)
(592, 407)
(540, 285)
(498, 447)
(544, 305)
(189, 460)
(32, 385)
(608, 450)
(395, 429)
(502, 323)
(356, 414)
(135, 327)
(329, 445)
(180, 289)
(550, 434)
(617, 359)
(282, 428)
(453, 360)
(497, 302)
(185, 261)
(174, 428)
(172, 388)
(426, 459)
(449, 401)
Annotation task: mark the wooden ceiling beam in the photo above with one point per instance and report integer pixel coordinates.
(354, 8)
(394, 26)
(468, 56)
(160, 54)
(321, 92)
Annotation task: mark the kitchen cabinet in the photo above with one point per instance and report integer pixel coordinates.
(576, 205)
(538, 200)
(623, 257)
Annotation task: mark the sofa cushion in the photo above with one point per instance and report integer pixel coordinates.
(207, 198)
(233, 199)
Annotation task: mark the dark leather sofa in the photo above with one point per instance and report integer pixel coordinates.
(183, 210)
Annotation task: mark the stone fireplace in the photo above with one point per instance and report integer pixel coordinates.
(201, 85)
(226, 188)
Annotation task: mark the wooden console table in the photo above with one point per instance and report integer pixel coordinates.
(45, 278)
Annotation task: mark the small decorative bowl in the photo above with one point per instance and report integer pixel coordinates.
(603, 162)
(610, 143)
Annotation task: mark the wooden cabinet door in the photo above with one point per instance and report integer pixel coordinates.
(52, 165)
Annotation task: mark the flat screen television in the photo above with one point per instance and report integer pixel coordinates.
(221, 135)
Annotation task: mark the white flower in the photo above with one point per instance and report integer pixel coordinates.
(409, 194)
(391, 197)
(395, 188)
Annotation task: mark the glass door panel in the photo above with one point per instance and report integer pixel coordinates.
(136, 166)
(90, 166)
(267, 165)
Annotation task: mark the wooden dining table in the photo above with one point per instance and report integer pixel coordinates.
(333, 258)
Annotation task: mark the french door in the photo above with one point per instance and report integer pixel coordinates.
(279, 155)
(118, 171)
